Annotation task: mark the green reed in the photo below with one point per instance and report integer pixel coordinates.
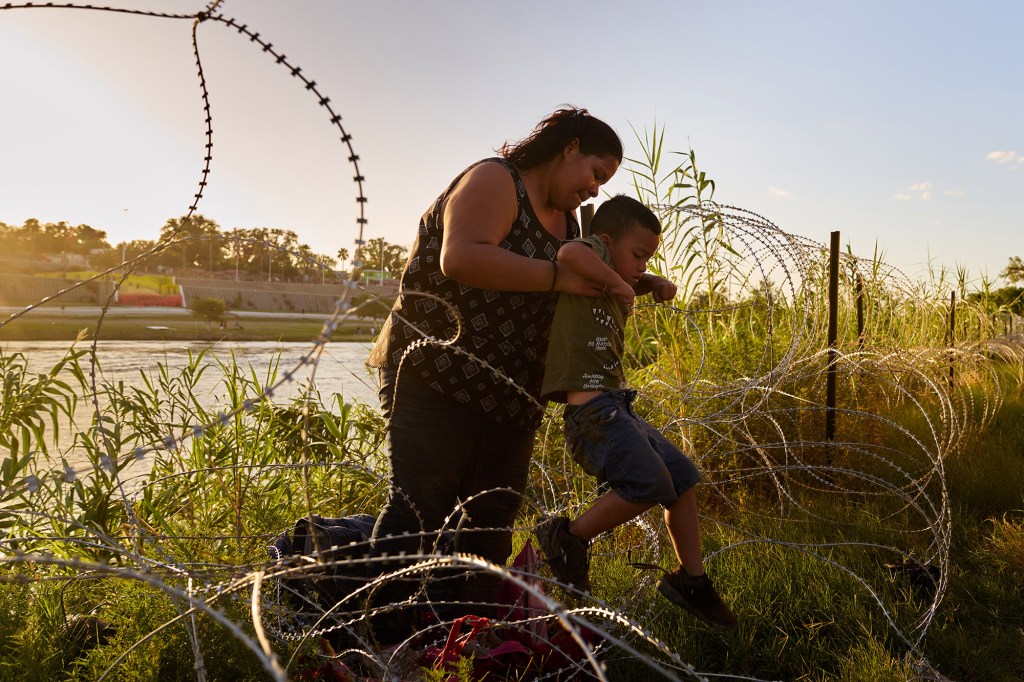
(732, 371)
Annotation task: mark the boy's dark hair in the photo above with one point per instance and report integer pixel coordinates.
(557, 131)
(618, 214)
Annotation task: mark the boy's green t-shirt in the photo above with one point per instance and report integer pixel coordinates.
(586, 342)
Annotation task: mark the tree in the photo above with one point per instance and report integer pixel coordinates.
(272, 253)
(247, 250)
(379, 254)
(286, 244)
(269, 251)
(88, 239)
(342, 257)
(124, 251)
(208, 309)
(1014, 271)
(198, 243)
(31, 236)
(135, 247)
(9, 238)
(328, 266)
(57, 239)
(194, 242)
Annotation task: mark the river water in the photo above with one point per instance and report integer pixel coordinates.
(340, 369)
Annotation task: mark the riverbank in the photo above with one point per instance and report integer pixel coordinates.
(175, 324)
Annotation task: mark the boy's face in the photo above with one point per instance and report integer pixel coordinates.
(631, 251)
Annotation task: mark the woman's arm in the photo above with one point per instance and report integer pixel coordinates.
(477, 217)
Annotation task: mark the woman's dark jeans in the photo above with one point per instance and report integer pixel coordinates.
(442, 454)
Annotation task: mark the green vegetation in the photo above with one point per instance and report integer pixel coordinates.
(208, 310)
(213, 500)
(888, 553)
(1014, 271)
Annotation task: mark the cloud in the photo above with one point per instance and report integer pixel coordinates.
(779, 192)
(1003, 157)
(922, 191)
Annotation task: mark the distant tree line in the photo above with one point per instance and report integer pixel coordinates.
(35, 240)
(1014, 270)
(1012, 298)
(197, 246)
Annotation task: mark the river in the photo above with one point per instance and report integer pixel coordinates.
(340, 369)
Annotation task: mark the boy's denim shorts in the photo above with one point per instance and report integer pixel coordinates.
(611, 442)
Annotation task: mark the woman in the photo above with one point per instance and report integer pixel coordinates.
(462, 417)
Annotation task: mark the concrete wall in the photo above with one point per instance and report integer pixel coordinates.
(275, 296)
(247, 299)
(25, 290)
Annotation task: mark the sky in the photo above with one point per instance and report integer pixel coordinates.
(899, 124)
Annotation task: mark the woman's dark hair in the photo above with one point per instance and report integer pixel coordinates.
(619, 213)
(557, 131)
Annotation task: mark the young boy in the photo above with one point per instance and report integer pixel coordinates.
(584, 370)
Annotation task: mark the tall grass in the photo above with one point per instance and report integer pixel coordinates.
(191, 515)
(876, 555)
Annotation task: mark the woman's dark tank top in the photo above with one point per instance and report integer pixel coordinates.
(506, 329)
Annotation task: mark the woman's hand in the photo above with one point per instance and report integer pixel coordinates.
(581, 271)
(621, 292)
(572, 282)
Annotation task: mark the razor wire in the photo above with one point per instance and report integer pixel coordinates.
(748, 421)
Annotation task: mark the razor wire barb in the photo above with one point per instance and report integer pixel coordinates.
(749, 419)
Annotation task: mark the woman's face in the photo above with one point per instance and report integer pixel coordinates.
(579, 177)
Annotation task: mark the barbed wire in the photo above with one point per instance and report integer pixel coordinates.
(747, 422)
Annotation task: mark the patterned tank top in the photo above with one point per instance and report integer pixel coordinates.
(508, 330)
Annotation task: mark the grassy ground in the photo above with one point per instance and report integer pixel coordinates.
(801, 619)
(979, 634)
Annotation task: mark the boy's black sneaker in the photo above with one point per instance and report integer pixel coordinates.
(567, 555)
(697, 595)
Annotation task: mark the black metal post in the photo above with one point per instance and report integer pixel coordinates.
(586, 215)
(860, 313)
(833, 334)
(952, 332)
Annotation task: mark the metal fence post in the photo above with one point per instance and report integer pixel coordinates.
(860, 313)
(586, 215)
(952, 332)
(833, 334)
